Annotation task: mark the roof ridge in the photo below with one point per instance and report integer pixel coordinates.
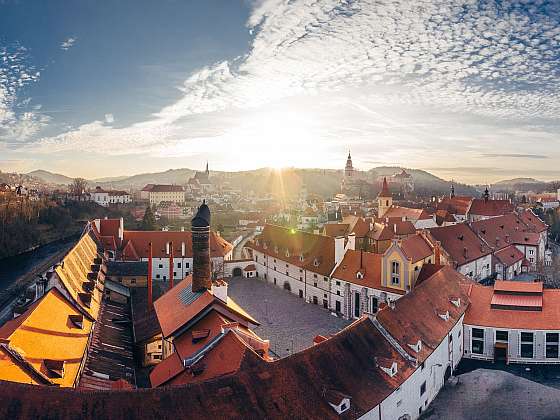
(394, 343)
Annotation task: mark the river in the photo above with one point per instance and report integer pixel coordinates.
(12, 268)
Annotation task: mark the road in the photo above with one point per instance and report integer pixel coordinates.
(238, 253)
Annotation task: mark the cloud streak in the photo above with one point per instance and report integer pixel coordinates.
(68, 43)
(388, 78)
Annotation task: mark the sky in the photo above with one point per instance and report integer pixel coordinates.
(468, 90)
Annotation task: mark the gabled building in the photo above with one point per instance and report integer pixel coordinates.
(486, 208)
(503, 231)
(515, 322)
(463, 249)
(205, 333)
(297, 261)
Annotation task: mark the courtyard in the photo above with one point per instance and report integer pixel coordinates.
(286, 320)
(489, 391)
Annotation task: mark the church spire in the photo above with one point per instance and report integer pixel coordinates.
(207, 171)
(452, 195)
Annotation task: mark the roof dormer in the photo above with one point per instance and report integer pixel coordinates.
(416, 346)
(456, 301)
(55, 368)
(444, 316)
(360, 275)
(390, 369)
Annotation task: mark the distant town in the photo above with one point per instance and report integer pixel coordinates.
(368, 302)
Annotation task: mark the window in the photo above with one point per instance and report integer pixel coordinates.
(423, 388)
(357, 305)
(337, 306)
(338, 283)
(527, 345)
(178, 265)
(326, 278)
(338, 292)
(161, 266)
(422, 366)
(315, 284)
(174, 274)
(133, 281)
(477, 341)
(501, 336)
(552, 345)
(374, 304)
(395, 272)
(187, 265)
(157, 276)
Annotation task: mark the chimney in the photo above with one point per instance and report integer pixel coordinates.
(351, 241)
(150, 299)
(466, 252)
(338, 249)
(200, 228)
(171, 266)
(437, 254)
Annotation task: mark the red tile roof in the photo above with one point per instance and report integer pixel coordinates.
(455, 205)
(385, 193)
(166, 188)
(509, 255)
(534, 223)
(290, 245)
(482, 207)
(336, 229)
(407, 213)
(460, 242)
(180, 305)
(139, 240)
(481, 313)
(417, 314)
(416, 248)
(502, 286)
(502, 231)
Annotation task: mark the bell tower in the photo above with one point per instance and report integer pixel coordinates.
(384, 199)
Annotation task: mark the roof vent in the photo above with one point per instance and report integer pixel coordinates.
(85, 298)
(391, 370)
(198, 335)
(337, 400)
(77, 320)
(55, 368)
(444, 316)
(456, 301)
(460, 237)
(417, 346)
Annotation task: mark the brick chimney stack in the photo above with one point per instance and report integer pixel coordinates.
(150, 298)
(200, 228)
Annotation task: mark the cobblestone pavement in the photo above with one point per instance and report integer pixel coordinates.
(494, 394)
(286, 320)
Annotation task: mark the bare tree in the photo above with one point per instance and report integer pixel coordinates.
(78, 186)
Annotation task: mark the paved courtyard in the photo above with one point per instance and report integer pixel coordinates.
(499, 394)
(286, 320)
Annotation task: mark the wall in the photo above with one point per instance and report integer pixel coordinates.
(406, 400)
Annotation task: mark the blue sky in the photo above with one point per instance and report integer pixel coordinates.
(465, 89)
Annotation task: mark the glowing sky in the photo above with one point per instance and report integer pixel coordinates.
(465, 89)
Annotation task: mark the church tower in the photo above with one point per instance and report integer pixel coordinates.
(384, 199)
(349, 168)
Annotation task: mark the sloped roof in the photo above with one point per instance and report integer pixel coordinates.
(460, 242)
(290, 244)
(482, 207)
(417, 314)
(480, 312)
(407, 213)
(509, 255)
(139, 240)
(502, 231)
(166, 188)
(73, 273)
(293, 387)
(45, 332)
(455, 205)
(533, 222)
(416, 248)
(180, 305)
(368, 264)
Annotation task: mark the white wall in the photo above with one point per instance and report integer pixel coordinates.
(407, 399)
(480, 268)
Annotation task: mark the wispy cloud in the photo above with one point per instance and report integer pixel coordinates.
(17, 124)
(68, 43)
(514, 155)
(399, 81)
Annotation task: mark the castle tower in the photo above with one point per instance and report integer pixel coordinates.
(200, 229)
(452, 195)
(384, 199)
(207, 171)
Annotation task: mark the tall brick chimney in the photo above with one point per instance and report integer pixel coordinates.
(200, 228)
